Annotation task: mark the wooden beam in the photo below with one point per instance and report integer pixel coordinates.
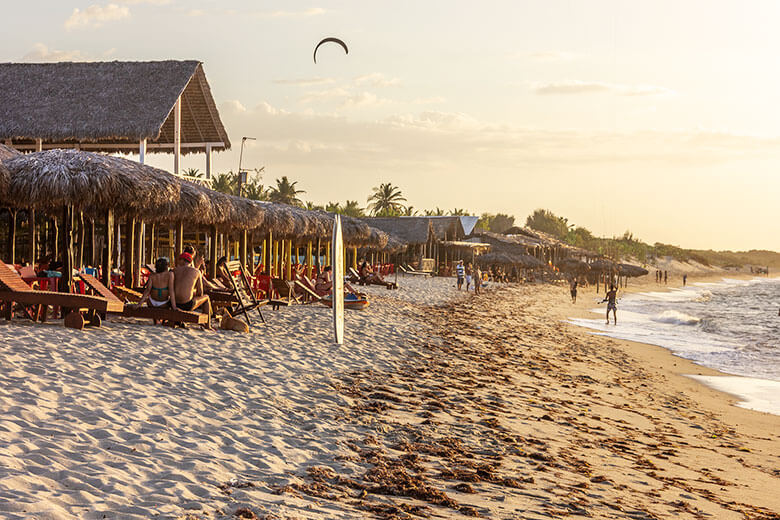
(108, 248)
(179, 239)
(79, 260)
(152, 238)
(131, 279)
(95, 257)
(67, 249)
(308, 259)
(142, 151)
(208, 160)
(213, 253)
(138, 255)
(39, 145)
(164, 147)
(32, 236)
(177, 135)
(242, 243)
(12, 235)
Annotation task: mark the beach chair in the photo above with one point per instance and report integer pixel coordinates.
(246, 300)
(13, 290)
(308, 290)
(285, 290)
(153, 313)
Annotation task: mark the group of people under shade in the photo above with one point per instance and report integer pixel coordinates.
(181, 288)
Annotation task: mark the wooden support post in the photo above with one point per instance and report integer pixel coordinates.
(354, 258)
(319, 252)
(130, 275)
(327, 254)
(139, 257)
(213, 253)
(288, 274)
(269, 254)
(242, 239)
(94, 255)
(80, 258)
(142, 151)
(12, 235)
(32, 236)
(208, 160)
(308, 259)
(108, 249)
(117, 249)
(275, 260)
(67, 249)
(179, 239)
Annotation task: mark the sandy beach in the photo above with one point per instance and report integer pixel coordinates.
(464, 406)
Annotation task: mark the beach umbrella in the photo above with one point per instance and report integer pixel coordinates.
(89, 182)
(632, 271)
(602, 265)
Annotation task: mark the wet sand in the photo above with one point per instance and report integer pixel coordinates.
(486, 406)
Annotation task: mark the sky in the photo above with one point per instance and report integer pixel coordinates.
(655, 117)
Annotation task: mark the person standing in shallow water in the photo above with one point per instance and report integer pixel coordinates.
(685, 279)
(573, 290)
(611, 299)
(665, 273)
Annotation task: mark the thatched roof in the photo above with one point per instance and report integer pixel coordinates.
(409, 230)
(527, 261)
(602, 265)
(90, 182)
(7, 153)
(111, 105)
(631, 271)
(572, 265)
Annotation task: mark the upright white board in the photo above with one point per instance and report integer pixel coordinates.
(337, 259)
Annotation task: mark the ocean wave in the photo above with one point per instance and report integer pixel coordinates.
(704, 296)
(676, 318)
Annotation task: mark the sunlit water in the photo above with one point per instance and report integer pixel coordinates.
(732, 326)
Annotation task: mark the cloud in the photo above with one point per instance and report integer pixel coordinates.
(313, 11)
(570, 87)
(551, 56)
(377, 79)
(96, 15)
(138, 2)
(40, 52)
(304, 82)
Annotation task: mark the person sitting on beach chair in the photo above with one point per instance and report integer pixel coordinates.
(160, 287)
(369, 277)
(323, 282)
(188, 286)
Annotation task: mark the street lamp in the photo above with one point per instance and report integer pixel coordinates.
(242, 175)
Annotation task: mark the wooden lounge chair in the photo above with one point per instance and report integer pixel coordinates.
(286, 291)
(14, 290)
(308, 290)
(410, 270)
(246, 300)
(152, 313)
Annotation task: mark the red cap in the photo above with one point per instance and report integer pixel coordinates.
(187, 257)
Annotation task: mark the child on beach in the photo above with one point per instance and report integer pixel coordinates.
(469, 273)
(611, 298)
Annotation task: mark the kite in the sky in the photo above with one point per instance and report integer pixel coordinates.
(326, 40)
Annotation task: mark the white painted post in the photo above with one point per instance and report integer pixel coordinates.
(208, 161)
(141, 159)
(142, 151)
(39, 145)
(176, 136)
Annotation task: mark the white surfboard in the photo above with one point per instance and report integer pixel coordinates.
(337, 295)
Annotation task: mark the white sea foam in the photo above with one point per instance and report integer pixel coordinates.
(676, 318)
(730, 325)
(753, 393)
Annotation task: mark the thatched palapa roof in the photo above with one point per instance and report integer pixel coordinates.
(109, 106)
(88, 181)
(409, 230)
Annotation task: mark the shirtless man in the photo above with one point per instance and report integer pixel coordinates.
(611, 298)
(188, 286)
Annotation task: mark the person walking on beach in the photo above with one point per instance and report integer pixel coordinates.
(469, 273)
(573, 290)
(685, 279)
(611, 299)
(665, 273)
(477, 279)
(460, 270)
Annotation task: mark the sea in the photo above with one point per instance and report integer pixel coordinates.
(732, 326)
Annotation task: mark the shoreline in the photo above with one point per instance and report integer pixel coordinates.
(674, 364)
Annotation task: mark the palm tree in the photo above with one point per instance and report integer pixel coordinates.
(438, 212)
(193, 172)
(225, 183)
(409, 211)
(285, 192)
(386, 200)
(332, 207)
(352, 209)
(254, 190)
(314, 207)
(459, 212)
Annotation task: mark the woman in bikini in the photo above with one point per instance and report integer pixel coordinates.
(160, 287)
